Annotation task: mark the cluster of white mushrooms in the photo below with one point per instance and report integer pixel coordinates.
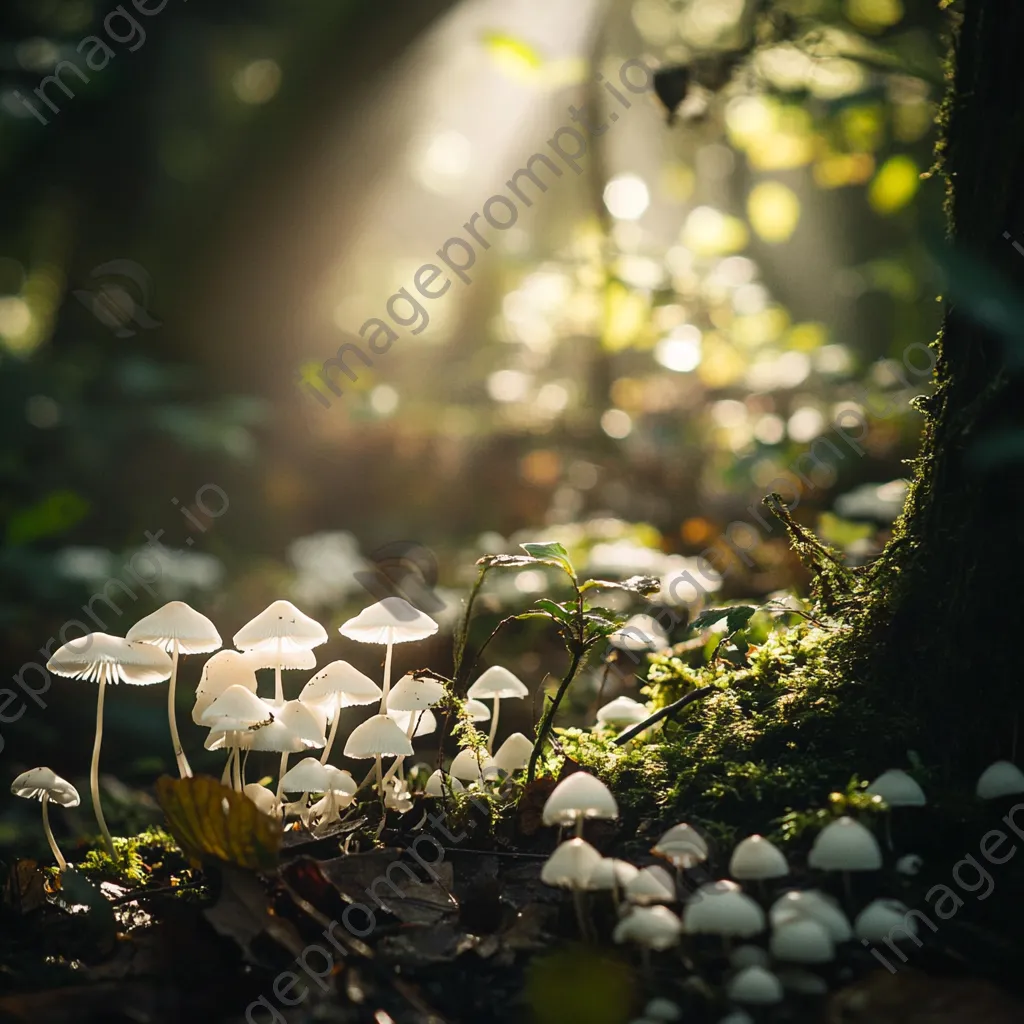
(240, 721)
(804, 926)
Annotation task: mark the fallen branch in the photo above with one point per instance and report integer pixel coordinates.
(669, 709)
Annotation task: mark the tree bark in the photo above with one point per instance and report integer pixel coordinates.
(939, 636)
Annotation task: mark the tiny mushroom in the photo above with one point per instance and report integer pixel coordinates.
(514, 753)
(284, 637)
(662, 1010)
(898, 789)
(845, 845)
(377, 737)
(478, 711)
(756, 858)
(622, 712)
(577, 797)
(339, 793)
(815, 906)
(226, 668)
(802, 940)
(296, 726)
(438, 782)
(496, 682)
(719, 908)
(102, 658)
(47, 787)
(469, 765)
(338, 685)
(683, 846)
(881, 918)
(570, 867)
(612, 875)
(755, 986)
(639, 633)
(263, 799)
(308, 776)
(230, 717)
(413, 696)
(176, 628)
(651, 885)
(1001, 778)
(654, 928)
(391, 621)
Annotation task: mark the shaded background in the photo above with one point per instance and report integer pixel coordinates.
(653, 343)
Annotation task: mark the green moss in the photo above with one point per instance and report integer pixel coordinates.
(136, 860)
(781, 733)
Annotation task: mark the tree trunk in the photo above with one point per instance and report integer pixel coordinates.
(938, 639)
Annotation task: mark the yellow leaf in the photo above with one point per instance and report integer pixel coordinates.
(774, 211)
(212, 822)
(514, 56)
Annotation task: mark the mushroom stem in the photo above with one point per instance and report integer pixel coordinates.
(334, 729)
(579, 902)
(61, 862)
(377, 770)
(184, 768)
(226, 777)
(579, 826)
(281, 771)
(494, 726)
(387, 680)
(239, 781)
(94, 768)
(278, 684)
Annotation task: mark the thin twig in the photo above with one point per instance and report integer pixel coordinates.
(664, 712)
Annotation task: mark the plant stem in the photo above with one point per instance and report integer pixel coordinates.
(239, 780)
(61, 862)
(668, 709)
(184, 769)
(94, 768)
(334, 729)
(544, 729)
(281, 772)
(387, 681)
(494, 726)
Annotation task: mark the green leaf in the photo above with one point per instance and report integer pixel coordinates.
(546, 549)
(735, 617)
(57, 512)
(559, 612)
(635, 585)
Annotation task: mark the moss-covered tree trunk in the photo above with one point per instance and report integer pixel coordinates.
(942, 637)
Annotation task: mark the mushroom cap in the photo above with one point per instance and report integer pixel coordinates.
(1002, 778)
(100, 656)
(286, 659)
(651, 885)
(898, 789)
(621, 712)
(176, 621)
(748, 956)
(571, 865)
(39, 782)
(497, 682)
(639, 633)
(815, 906)
(756, 858)
(412, 694)
(682, 835)
(877, 921)
(478, 710)
(514, 753)
(235, 709)
(306, 721)
(226, 668)
(308, 776)
(379, 735)
(845, 845)
(391, 621)
(909, 864)
(340, 781)
(804, 983)
(280, 623)
(342, 682)
(653, 927)
(612, 874)
(579, 795)
(436, 784)
(263, 798)
(662, 1010)
(802, 941)
(754, 985)
(719, 908)
(426, 720)
(468, 766)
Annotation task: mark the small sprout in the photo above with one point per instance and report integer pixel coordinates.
(45, 786)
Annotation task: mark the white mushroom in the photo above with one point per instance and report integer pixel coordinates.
(570, 867)
(226, 668)
(756, 858)
(898, 789)
(801, 940)
(102, 658)
(650, 927)
(469, 766)
(577, 797)
(815, 906)
(478, 710)
(845, 845)
(284, 637)
(755, 986)
(338, 685)
(377, 737)
(438, 782)
(880, 918)
(230, 717)
(651, 885)
(683, 846)
(44, 785)
(514, 753)
(308, 776)
(719, 908)
(639, 633)
(496, 683)
(391, 621)
(263, 799)
(1002, 778)
(662, 1010)
(613, 876)
(622, 712)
